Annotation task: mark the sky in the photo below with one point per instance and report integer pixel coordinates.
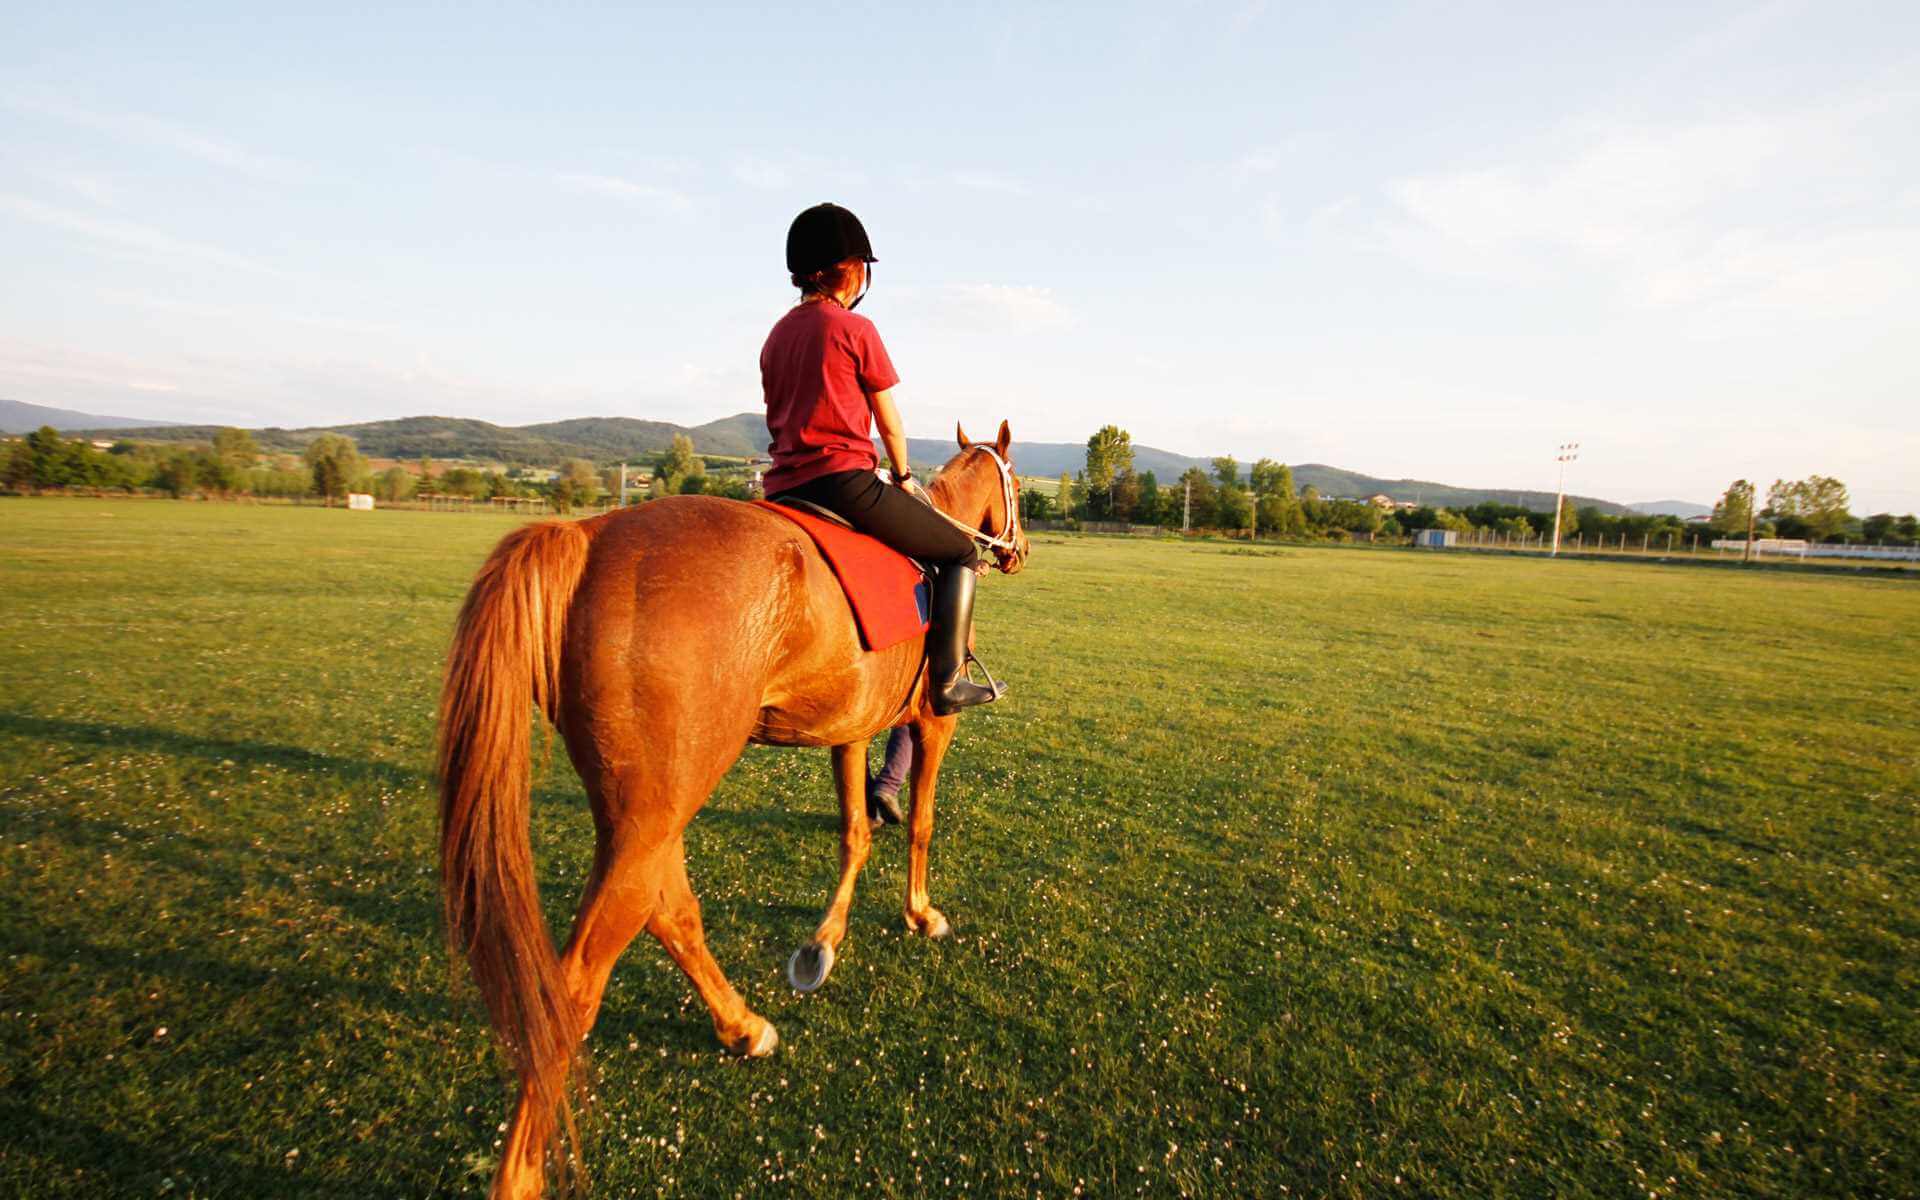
(1414, 240)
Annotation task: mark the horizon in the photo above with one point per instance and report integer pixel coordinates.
(1413, 244)
(1243, 462)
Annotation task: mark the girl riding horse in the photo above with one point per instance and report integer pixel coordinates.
(828, 381)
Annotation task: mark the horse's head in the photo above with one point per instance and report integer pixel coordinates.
(978, 488)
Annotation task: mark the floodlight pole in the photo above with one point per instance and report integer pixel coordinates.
(1566, 453)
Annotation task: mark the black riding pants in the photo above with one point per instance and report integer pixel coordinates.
(889, 514)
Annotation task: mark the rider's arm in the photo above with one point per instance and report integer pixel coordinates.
(887, 417)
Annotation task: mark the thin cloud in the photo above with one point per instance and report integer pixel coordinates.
(631, 191)
(218, 312)
(91, 188)
(1780, 212)
(991, 181)
(762, 175)
(1020, 307)
(149, 130)
(126, 235)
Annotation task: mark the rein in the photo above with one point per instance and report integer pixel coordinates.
(1007, 541)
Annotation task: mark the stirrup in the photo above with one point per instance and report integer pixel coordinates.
(993, 685)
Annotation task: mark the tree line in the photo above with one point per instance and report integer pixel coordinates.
(1816, 509)
(330, 467)
(1265, 500)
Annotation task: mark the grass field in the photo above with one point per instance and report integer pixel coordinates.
(1281, 872)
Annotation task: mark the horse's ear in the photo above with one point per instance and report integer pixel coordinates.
(962, 435)
(1005, 439)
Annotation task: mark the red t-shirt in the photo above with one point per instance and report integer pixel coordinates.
(818, 368)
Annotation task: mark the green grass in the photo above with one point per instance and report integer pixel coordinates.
(1281, 871)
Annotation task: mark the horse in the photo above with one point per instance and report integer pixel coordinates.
(659, 641)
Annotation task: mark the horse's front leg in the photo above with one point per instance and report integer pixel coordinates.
(808, 967)
(931, 737)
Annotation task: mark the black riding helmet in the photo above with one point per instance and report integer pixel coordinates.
(824, 235)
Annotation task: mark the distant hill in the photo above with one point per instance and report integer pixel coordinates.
(1332, 481)
(1673, 508)
(17, 416)
(611, 439)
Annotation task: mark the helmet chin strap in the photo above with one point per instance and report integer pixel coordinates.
(865, 287)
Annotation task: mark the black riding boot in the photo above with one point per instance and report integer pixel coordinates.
(947, 643)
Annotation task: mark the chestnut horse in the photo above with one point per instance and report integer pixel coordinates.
(660, 640)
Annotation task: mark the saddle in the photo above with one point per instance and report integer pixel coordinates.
(890, 594)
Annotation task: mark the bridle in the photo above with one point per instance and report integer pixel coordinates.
(1005, 544)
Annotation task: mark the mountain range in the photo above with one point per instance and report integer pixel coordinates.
(612, 439)
(17, 416)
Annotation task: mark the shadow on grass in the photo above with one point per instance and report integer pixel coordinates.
(227, 865)
(171, 741)
(114, 1165)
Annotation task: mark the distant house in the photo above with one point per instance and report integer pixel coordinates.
(1382, 500)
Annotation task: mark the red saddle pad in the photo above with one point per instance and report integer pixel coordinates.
(887, 592)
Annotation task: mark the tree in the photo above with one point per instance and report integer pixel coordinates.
(1272, 479)
(16, 468)
(1146, 510)
(335, 462)
(1514, 527)
(1063, 498)
(1276, 506)
(1226, 471)
(1730, 513)
(677, 463)
(1109, 455)
(176, 475)
(1034, 505)
(1124, 497)
(586, 480)
(1357, 516)
(1231, 508)
(236, 447)
(1195, 493)
(462, 481)
(1815, 506)
(395, 483)
(1280, 514)
(215, 472)
(426, 486)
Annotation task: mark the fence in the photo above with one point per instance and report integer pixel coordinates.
(1796, 548)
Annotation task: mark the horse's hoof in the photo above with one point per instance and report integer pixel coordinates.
(808, 967)
(764, 1042)
(933, 923)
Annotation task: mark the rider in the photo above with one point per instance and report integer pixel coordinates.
(828, 381)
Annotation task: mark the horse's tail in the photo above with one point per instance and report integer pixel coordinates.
(506, 657)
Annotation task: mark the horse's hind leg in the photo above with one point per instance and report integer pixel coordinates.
(808, 967)
(676, 922)
(621, 896)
